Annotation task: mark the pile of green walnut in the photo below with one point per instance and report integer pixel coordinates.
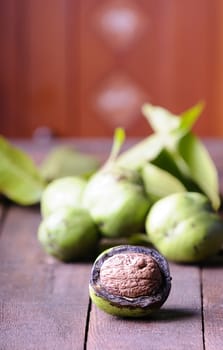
(163, 192)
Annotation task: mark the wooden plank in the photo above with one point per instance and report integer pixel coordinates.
(44, 326)
(19, 283)
(212, 280)
(176, 326)
(44, 302)
(18, 239)
(34, 319)
(2, 211)
(1, 214)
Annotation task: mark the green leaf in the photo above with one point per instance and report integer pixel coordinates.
(164, 122)
(160, 119)
(168, 128)
(159, 183)
(142, 152)
(168, 160)
(65, 160)
(189, 117)
(171, 161)
(20, 179)
(200, 166)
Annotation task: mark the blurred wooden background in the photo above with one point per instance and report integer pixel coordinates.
(83, 67)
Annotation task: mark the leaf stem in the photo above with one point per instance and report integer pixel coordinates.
(118, 140)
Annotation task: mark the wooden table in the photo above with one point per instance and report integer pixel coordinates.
(44, 304)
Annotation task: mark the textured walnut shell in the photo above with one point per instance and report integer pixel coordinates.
(148, 294)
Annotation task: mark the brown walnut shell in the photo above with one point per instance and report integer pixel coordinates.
(130, 281)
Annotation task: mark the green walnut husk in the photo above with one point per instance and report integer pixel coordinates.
(115, 197)
(60, 193)
(185, 228)
(117, 202)
(69, 234)
(119, 304)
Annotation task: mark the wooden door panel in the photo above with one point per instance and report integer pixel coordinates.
(216, 61)
(96, 62)
(191, 62)
(48, 65)
(113, 95)
(8, 67)
(165, 61)
(83, 68)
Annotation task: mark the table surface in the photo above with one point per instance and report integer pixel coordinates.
(44, 303)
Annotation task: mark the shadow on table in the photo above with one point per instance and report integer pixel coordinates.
(167, 315)
(172, 314)
(214, 262)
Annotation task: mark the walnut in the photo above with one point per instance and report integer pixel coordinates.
(130, 275)
(130, 281)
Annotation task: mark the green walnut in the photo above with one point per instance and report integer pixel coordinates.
(117, 201)
(130, 281)
(63, 192)
(69, 234)
(184, 227)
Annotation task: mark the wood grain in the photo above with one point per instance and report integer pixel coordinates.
(212, 280)
(44, 303)
(18, 239)
(44, 310)
(176, 326)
